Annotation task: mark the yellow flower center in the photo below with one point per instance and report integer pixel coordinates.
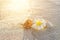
(38, 22)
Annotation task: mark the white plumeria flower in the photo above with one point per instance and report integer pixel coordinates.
(39, 23)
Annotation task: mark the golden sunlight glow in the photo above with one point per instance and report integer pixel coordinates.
(17, 5)
(12, 8)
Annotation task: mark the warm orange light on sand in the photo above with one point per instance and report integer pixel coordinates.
(12, 8)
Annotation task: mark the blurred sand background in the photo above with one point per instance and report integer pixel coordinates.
(11, 16)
